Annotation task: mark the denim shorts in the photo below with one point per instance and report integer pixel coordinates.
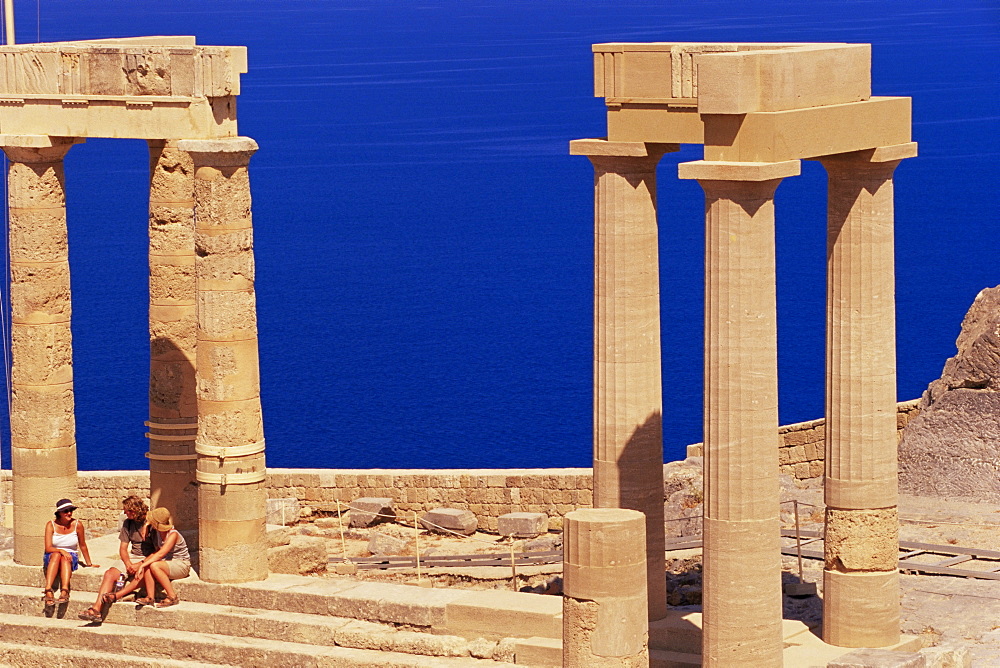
(76, 560)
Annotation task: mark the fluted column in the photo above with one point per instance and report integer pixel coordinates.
(741, 597)
(42, 423)
(605, 621)
(232, 498)
(628, 404)
(173, 410)
(861, 581)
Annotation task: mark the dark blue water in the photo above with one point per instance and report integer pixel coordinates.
(425, 244)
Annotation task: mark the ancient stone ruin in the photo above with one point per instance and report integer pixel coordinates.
(758, 109)
(204, 413)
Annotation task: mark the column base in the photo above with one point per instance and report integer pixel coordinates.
(861, 609)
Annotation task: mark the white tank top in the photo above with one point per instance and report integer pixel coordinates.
(66, 541)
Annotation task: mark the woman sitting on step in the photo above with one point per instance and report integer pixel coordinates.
(170, 561)
(132, 548)
(64, 539)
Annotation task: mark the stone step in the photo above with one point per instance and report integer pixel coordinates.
(158, 644)
(491, 614)
(659, 658)
(17, 655)
(251, 623)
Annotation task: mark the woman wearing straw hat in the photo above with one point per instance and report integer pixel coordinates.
(64, 539)
(170, 561)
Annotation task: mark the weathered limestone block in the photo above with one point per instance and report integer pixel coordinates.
(523, 525)
(862, 540)
(952, 448)
(384, 544)
(547, 543)
(278, 536)
(878, 658)
(448, 520)
(283, 511)
(302, 555)
(369, 510)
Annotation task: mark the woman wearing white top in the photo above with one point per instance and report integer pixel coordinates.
(64, 538)
(170, 561)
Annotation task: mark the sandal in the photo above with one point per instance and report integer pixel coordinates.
(148, 600)
(109, 598)
(90, 615)
(168, 601)
(49, 598)
(63, 596)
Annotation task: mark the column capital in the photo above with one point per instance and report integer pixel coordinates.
(881, 154)
(225, 152)
(37, 148)
(714, 170)
(620, 149)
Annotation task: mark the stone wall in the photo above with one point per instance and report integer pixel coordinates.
(488, 493)
(802, 450)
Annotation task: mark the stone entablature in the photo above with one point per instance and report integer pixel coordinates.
(94, 88)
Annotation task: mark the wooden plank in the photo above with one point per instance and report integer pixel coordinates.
(910, 555)
(955, 560)
(950, 549)
(937, 570)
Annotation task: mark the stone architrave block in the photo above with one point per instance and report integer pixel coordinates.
(878, 658)
(303, 554)
(284, 512)
(523, 525)
(447, 520)
(369, 510)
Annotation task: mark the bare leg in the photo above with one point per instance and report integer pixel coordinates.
(52, 570)
(65, 573)
(107, 585)
(147, 579)
(161, 573)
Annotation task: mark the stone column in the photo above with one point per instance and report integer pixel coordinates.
(604, 589)
(861, 580)
(173, 409)
(741, 598)
(42, 424)
(628, 404)
(232, 497)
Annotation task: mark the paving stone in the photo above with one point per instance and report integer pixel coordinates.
(448, 520)
(369, 510)
(523, 525)
(878, 658)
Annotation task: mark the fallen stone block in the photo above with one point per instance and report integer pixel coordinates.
(381, 544)
(878, 658)
(303, 555)
(448, 520)
(548, 543)
(283, 511)
(370, 510)
(947, 656)
(523, 525)
(278, 535)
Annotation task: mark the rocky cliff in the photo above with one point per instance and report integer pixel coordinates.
(952, 448)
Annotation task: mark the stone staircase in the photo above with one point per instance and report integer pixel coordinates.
(286, 620)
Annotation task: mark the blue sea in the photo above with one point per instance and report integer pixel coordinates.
(424, 242)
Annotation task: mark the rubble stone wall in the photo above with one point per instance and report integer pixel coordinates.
(488, 493)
